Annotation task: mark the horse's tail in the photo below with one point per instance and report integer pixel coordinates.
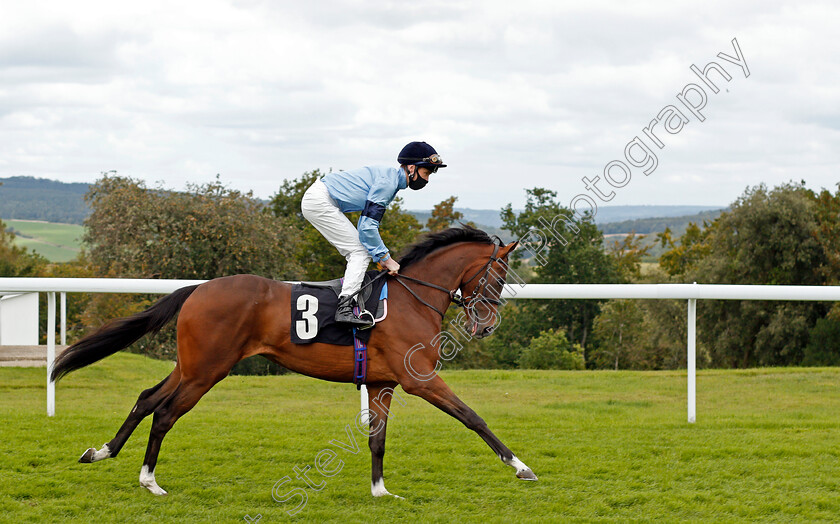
(120, 333)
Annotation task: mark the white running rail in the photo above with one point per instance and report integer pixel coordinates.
(689, 292)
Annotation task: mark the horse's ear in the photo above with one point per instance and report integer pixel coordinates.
(506, 250)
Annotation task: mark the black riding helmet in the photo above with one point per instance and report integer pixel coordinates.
(420, 154)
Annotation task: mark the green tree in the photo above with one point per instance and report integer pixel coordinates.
(444, 215)
(552, 350)
(581, 259)
(628, 256)
(517, 326)
(206, 232)
(823, 347)
(682, 254)
(828, 234)
(618, 332)
(768, 237)
(16, 261)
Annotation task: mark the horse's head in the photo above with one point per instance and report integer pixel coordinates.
(481, 288)
(466, 260)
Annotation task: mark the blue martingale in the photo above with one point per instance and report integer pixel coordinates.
(360, 350)
(360, 361)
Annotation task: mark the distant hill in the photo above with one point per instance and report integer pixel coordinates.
(611, 214)
(605, 214)
(484, 217)
(646, 226)
(28, 198)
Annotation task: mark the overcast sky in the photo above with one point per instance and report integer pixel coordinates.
(512, 94)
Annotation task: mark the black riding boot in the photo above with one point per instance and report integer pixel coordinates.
(344, 313)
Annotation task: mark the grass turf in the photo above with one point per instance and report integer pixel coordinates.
(56, 242)
(607, 446)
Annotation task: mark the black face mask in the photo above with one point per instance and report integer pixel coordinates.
(417, 182)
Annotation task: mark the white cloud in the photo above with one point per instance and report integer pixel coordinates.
(514, 95)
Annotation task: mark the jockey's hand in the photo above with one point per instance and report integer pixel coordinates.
(391, 265)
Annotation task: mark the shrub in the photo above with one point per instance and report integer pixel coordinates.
(823, 347)
(552, 350)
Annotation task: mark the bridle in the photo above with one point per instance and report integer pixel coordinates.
(454, 296)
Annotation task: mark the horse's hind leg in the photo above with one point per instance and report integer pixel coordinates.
(185, 396)
(145, 405)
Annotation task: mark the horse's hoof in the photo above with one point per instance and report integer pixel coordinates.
(91, 455)
(387, 493)
(377, 489)
(156, 490)
(526, 474)
(87, 457)
(147, 480)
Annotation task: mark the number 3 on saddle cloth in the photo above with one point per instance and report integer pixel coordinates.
(313, 316)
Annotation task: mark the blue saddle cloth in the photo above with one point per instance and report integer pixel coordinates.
(313, 311)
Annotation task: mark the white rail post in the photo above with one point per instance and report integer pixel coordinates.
(50, 352)
(63, 318)
(691, 361)
(363, 394)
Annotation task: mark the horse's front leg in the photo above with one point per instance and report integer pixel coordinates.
(437, 393)
(379, 406)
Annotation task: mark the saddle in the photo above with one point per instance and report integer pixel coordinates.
(313, 311)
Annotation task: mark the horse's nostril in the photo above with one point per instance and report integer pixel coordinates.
(488, 331)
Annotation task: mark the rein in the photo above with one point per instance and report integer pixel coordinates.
(360, 348)
(374, 279)
(453, 293)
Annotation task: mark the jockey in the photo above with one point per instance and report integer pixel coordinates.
(369, 190)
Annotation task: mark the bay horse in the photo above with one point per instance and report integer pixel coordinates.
(230, 318)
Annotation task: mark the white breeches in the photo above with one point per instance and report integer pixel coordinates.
(322, 212)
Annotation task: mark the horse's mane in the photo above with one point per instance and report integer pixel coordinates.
(432, 241)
